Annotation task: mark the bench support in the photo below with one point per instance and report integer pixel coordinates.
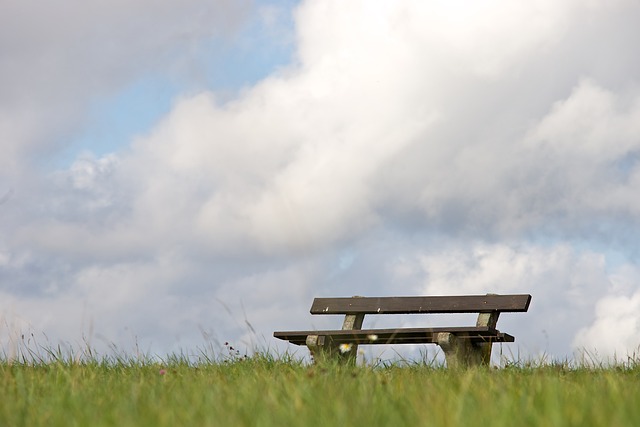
(322, 349)
(459, 352)
(462, 353)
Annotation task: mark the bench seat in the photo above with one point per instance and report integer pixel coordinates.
(397, 336)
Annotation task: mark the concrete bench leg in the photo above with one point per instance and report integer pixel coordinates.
(462, 353)
(323, 349)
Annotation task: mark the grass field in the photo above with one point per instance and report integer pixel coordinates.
(275, 391)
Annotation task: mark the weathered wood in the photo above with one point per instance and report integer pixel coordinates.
(398, 335)
(462, 346)
(352, 321)
(483, 349)
(349, 351)
(423, 304)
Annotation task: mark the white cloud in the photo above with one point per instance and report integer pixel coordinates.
(615, 333)
(57, 57)
(591, 139)
(564, 283)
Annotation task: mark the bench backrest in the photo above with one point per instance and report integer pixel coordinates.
(423, 304)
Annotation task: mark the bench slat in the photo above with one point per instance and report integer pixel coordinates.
(397, 336)
(423, 304)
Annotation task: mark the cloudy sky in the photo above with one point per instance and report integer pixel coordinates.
(175, 174)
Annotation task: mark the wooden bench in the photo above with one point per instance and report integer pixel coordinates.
(462, 346)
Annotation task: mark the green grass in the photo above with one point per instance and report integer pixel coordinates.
(269, 391)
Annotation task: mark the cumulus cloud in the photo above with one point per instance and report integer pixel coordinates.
(565, 285)
(57, 57)
(614, 332)
(412, 147)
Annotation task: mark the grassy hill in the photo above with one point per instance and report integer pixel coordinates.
(276, 391)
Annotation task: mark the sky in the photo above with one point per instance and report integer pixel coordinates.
(175, 175)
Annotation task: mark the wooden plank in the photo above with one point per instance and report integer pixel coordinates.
(396, 336)
(422, 304)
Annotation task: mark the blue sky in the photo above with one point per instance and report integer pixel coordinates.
(175, 171)
(257, 49)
